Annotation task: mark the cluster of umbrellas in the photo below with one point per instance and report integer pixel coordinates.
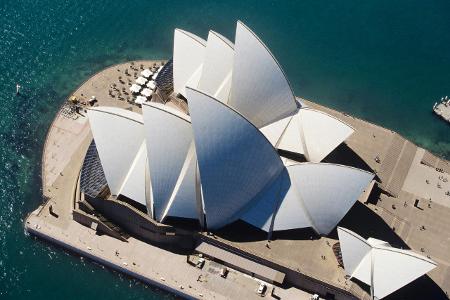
(144, 86)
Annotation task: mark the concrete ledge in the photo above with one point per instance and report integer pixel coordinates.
(72, 248)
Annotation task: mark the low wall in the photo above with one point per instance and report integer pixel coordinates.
(293, 277)
(150, 281)
(141, 227)
(87, 220)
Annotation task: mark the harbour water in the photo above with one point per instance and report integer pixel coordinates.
(385, 62)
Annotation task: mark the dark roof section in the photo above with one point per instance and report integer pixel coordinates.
(164, 80)
(92, 178)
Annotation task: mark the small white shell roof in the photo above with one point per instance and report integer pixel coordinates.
(292, 139)
(118, 135)
(380, 265)
(309, 132)
(311, 195)
(236, 161)
(327, 192)
(168, 135)
(274, 131)
(188, 57)
(260, 90)
(217, 68)
(322, 133)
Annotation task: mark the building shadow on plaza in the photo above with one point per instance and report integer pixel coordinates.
(344, 155)
(363, 221)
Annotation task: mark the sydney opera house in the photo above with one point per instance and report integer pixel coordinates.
(244, 151)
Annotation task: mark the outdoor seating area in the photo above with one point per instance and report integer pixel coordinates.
(138, 84)
(69, 111)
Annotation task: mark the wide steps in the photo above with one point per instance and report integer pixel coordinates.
(402, 168)
(435, 162)
(390, 160)
(396, 164)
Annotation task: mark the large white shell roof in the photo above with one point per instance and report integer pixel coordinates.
(168, 135)
(374, 262)
(217, 67)
(312, 195)
(119, 136)
(133, 185)
(182, 202)
(259, 90)
(188, 57)
(321, 132)
(327, 191)
(235, 160)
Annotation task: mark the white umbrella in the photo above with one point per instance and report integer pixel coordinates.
(141, 80)
(147, 73)
(147, 92)
(140, 99)
(151, 85)
(135, 88)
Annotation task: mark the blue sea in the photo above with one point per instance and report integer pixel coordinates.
(385, 61)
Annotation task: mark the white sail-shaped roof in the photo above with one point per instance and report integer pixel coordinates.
(118, 135)
(260, 213)
(394, 268)
(376, 263)
(133, 186)
(217, 68)
(309, 132)
(182, 202)
(356, 254)
(188, 57)
(260, 90)
(275, 130)
(318, 196)
(168, 135)
(293, 139)
(236, 161)
(322, 133)
(292, 212)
